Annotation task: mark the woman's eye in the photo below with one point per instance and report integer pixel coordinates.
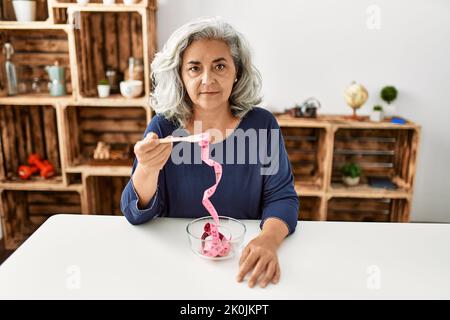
(195, 69)
(220, 67)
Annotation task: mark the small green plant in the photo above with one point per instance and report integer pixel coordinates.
(388, 94)
(351, 170)
(377, 108)
(103, 82)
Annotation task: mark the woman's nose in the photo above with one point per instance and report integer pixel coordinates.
(207, 78)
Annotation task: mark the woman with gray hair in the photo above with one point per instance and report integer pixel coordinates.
(204, 81)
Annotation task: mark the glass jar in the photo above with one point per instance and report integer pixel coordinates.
(36, 85)
(113, 78)
(135, 69)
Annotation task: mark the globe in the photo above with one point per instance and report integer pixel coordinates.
(355, 95)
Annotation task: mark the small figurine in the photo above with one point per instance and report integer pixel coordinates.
(102, 151)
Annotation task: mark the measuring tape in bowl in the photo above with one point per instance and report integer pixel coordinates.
(214, 243)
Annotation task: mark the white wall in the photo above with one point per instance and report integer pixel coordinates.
(317, 47)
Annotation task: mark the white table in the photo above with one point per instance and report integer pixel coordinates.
(75, 256)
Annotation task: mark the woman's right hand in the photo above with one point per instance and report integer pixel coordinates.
(150, 154)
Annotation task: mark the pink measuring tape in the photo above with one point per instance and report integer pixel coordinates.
(217, 245)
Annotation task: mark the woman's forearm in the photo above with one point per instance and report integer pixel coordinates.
(145, 184)
(275, 229)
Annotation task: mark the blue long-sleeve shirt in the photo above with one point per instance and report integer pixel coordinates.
(257, 180)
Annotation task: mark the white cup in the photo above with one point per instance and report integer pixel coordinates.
(25, 10)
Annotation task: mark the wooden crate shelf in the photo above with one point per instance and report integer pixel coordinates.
(34, 49)
(106, 192)
(387, 153)
(65, 130)
(309, 208)
(306, 151)
(85, 126)
(368, 210)
(317, 149)
(25, 130)
(108, 39)
(23, 212)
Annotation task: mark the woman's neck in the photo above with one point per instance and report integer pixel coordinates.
(219, 122)
(218, 118)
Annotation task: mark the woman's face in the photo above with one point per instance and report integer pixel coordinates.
(208, 73)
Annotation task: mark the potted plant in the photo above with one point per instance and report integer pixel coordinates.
(377, 113)
(389, 94)
(25, 10)
(351, 173)
(103, 88)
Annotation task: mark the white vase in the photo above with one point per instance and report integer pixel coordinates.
(25, 10)
(349, 181)
(83, 2)
(376, 116)
(389, 110)
(103, 90)
(109, 2)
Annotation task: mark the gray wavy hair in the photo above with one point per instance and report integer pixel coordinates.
(169, 96)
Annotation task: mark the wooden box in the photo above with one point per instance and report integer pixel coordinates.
(368, 210)
(306, 152)
(105, 194)
(23, 212)
(120, 127)
(25, 130)
(385, 153)
(309, 208)
(33, 51)
(107, 40)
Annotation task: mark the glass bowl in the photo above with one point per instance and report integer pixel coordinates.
(232, 229)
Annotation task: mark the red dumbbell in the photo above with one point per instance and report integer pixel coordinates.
(45, 168)
(25, 172)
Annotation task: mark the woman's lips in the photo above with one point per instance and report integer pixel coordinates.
(210, 93)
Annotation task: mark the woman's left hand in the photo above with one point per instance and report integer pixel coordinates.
(260, 255)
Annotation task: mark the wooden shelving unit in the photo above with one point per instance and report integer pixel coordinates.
(319, 147)
(65, 130)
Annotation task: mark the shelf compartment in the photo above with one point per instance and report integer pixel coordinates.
(105, 194)
(387, 153)
(25, 130)
(368, 210)
(7, 10)
(119, 127)
(24, 211)
(309, 208)
(34, 50)
(107, 39)
(306, 152)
